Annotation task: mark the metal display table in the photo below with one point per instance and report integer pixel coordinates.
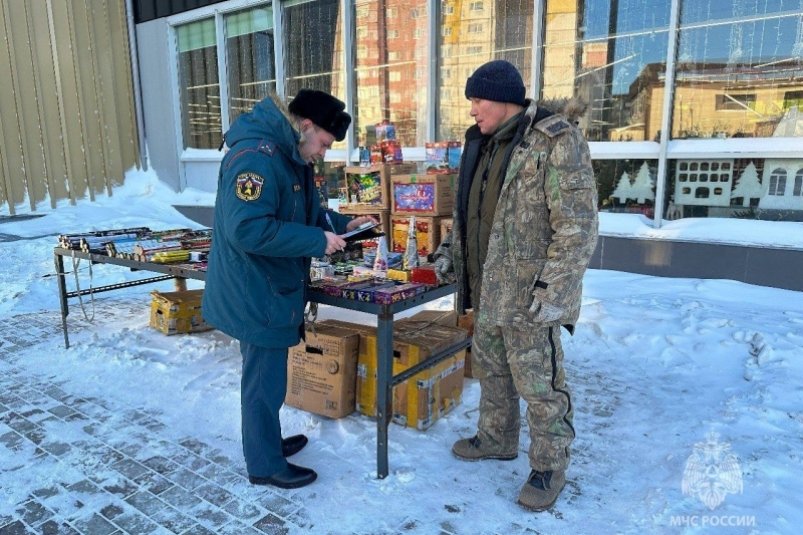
(385, 378)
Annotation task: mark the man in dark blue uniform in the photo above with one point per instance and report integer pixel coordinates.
(268, 223)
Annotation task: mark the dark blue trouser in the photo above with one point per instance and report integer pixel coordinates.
(262, 391)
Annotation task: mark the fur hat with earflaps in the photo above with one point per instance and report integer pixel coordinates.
(322, 109)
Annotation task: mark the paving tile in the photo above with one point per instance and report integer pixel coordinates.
(243, 510)
(173, 520)
(120, 487)
(238, 528)
(161, 465)
(179, 498)
(210, 516)
(187, 479)
(153, 483)
(214, 494)
(146, 502)
(94, 525)
(135, 523)
(198, 529)
(129, 468)
(51, 527)
(32, 512)
(272, 524)
(278, 505)
(15, 528)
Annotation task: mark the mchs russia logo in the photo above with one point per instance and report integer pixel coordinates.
(712, 472)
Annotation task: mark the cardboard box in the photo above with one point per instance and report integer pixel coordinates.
(428, 195)
(427, 233)
(178, 312)
(466, 321)
(322, 371)
(368, 187)
(428, 395)
(440, 317)
(442, 157)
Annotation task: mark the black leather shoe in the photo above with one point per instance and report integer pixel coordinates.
(292, 477)
(294, 444)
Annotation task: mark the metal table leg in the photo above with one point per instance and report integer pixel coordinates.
(384, 376)
(59, 261)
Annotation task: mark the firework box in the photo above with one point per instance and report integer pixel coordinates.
(427, 233)
(381, 215)
(177, 312)
(426, 195)
(442, 157)
(322, 371)
(368, 187)
(398, 292)
(428, 395)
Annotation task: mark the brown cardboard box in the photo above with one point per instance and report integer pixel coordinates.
(422, 399)
(466, 321)
(441, 317)
(321, 372)
(427, 233)
(178, 312)
(368, 187)
(431, 195)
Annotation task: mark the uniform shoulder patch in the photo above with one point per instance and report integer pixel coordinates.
(248, 186)
(553, 125)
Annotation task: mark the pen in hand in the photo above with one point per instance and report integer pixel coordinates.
(329, 220)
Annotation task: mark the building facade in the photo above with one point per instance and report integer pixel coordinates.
(695, 100)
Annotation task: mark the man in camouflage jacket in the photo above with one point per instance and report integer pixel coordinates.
(524, 230)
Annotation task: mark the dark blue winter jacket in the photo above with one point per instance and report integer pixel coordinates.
(268, 223)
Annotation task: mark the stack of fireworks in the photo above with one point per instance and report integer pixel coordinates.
(93, 242)
(144, 245)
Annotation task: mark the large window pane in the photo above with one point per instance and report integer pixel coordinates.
(740, 69)
(249, 58)
(609, 53)
(198, 84)
(391, 68)
(314, 48)
(747, 188)
(471, 34)
(626, 186)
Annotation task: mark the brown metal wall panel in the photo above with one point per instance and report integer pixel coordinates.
(47, 100)
(24, 84)
(109, 98)
(90, 100)
(13, 166)
(72, 120)
(123, 84)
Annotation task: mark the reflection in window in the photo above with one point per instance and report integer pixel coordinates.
(198, 84)
(313, 47)
(744, 188)
(777, 182)
(388, 86)
(611, 54)
(501, 29)
(249, 58)
(626, 185)
(738, 70)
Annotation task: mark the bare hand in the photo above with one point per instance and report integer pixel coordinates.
(357, 221)
(333, 242)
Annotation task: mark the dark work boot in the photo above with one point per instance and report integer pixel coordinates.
(292, 477)
(294, 444)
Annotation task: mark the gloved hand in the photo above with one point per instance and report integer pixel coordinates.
(545, 312)
(444, 270)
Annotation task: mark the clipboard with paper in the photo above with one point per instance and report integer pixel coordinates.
(366, 231)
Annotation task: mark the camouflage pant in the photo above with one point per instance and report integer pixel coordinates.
(526, 363)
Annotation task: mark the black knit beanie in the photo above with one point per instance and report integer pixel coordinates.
(496, 80)
(322, 109)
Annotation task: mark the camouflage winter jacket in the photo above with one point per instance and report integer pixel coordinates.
(544, 229)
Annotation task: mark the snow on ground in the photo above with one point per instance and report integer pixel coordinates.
(658, 368)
